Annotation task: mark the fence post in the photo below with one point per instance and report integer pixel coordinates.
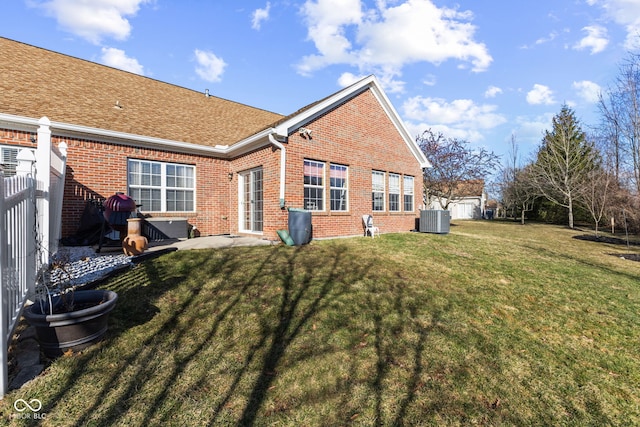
(56, 195)
(4, 305)
(43, 183)
(26, 164)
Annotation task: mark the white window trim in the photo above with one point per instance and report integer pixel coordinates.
(408, 191)
(321, 187)
(163, 184)
(345, 189)
(248, 177)
(376, 189)
(395, 190)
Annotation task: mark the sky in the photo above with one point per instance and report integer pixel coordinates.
(483, 71)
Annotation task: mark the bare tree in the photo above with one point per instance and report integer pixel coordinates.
(518, 192)
(453, 163)
(597, 194)
(525, 191)
(620, 109)
(564, 159)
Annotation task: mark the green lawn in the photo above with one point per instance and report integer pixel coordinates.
(492, 324)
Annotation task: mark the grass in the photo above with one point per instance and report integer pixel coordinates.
(492, 324)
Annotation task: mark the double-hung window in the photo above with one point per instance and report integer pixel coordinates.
(338, 187)
(394, 192)
(377, 190)
(162, 187)
(313, 185)
(408, 193)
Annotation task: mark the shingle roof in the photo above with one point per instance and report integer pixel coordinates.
(470, 188)
(36, 82)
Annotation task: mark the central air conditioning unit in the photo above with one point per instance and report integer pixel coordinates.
(434, 221)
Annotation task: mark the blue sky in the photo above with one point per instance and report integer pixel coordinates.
(476, 70)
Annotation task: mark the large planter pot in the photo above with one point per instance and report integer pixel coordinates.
(72, 330)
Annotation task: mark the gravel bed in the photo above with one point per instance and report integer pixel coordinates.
(79, 265)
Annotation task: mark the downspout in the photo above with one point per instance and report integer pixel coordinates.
(283, 167)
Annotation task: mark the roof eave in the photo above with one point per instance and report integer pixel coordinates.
(76, 131)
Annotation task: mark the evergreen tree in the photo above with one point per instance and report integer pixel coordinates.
(564, 160)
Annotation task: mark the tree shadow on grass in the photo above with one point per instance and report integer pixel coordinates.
(137, 289)
(297, 284)
(198, 274)
(390, 356)
(306, 284)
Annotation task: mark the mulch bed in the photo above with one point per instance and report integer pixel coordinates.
(612, 241)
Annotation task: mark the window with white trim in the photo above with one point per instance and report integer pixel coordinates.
(408, 193)
(377, 190)
(338, 187)
(162, 187)
(313, 185)
(8, 160)
(394, 192)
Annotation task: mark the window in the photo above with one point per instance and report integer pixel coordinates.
(408, 194)
(394, 192)
(8, 160)
(313, 185)
(377, 191)
(338, 187)
(162, 187)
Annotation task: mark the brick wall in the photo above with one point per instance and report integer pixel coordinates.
(98, 170)
(357, 134)
(267, 159)
(360, 135)
(17, 138)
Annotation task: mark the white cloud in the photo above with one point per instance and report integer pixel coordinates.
(492, 92)
(461, 118)
(260, 15)
(430, 80)
(210, 67)
(530, 130)
(552, 36)
(540, 94)
(92, 20)
(587, 90)
(625, 13)
(549, 38)
(327, 21)
(347, 79)
(345, 33)
(118, 59)
(596, 39)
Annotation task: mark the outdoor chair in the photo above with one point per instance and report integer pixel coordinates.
(369, 228)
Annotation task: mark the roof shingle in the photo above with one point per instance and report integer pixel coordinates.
(37, 82)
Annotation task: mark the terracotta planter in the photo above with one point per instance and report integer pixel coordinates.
(72, 330)
(135, 243)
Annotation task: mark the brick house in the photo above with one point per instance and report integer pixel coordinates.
(225, 167)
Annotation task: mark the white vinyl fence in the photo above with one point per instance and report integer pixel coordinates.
(30, 225)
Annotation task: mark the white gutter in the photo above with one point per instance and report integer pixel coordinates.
(220, 151)
(69, 130)
(283, 167)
